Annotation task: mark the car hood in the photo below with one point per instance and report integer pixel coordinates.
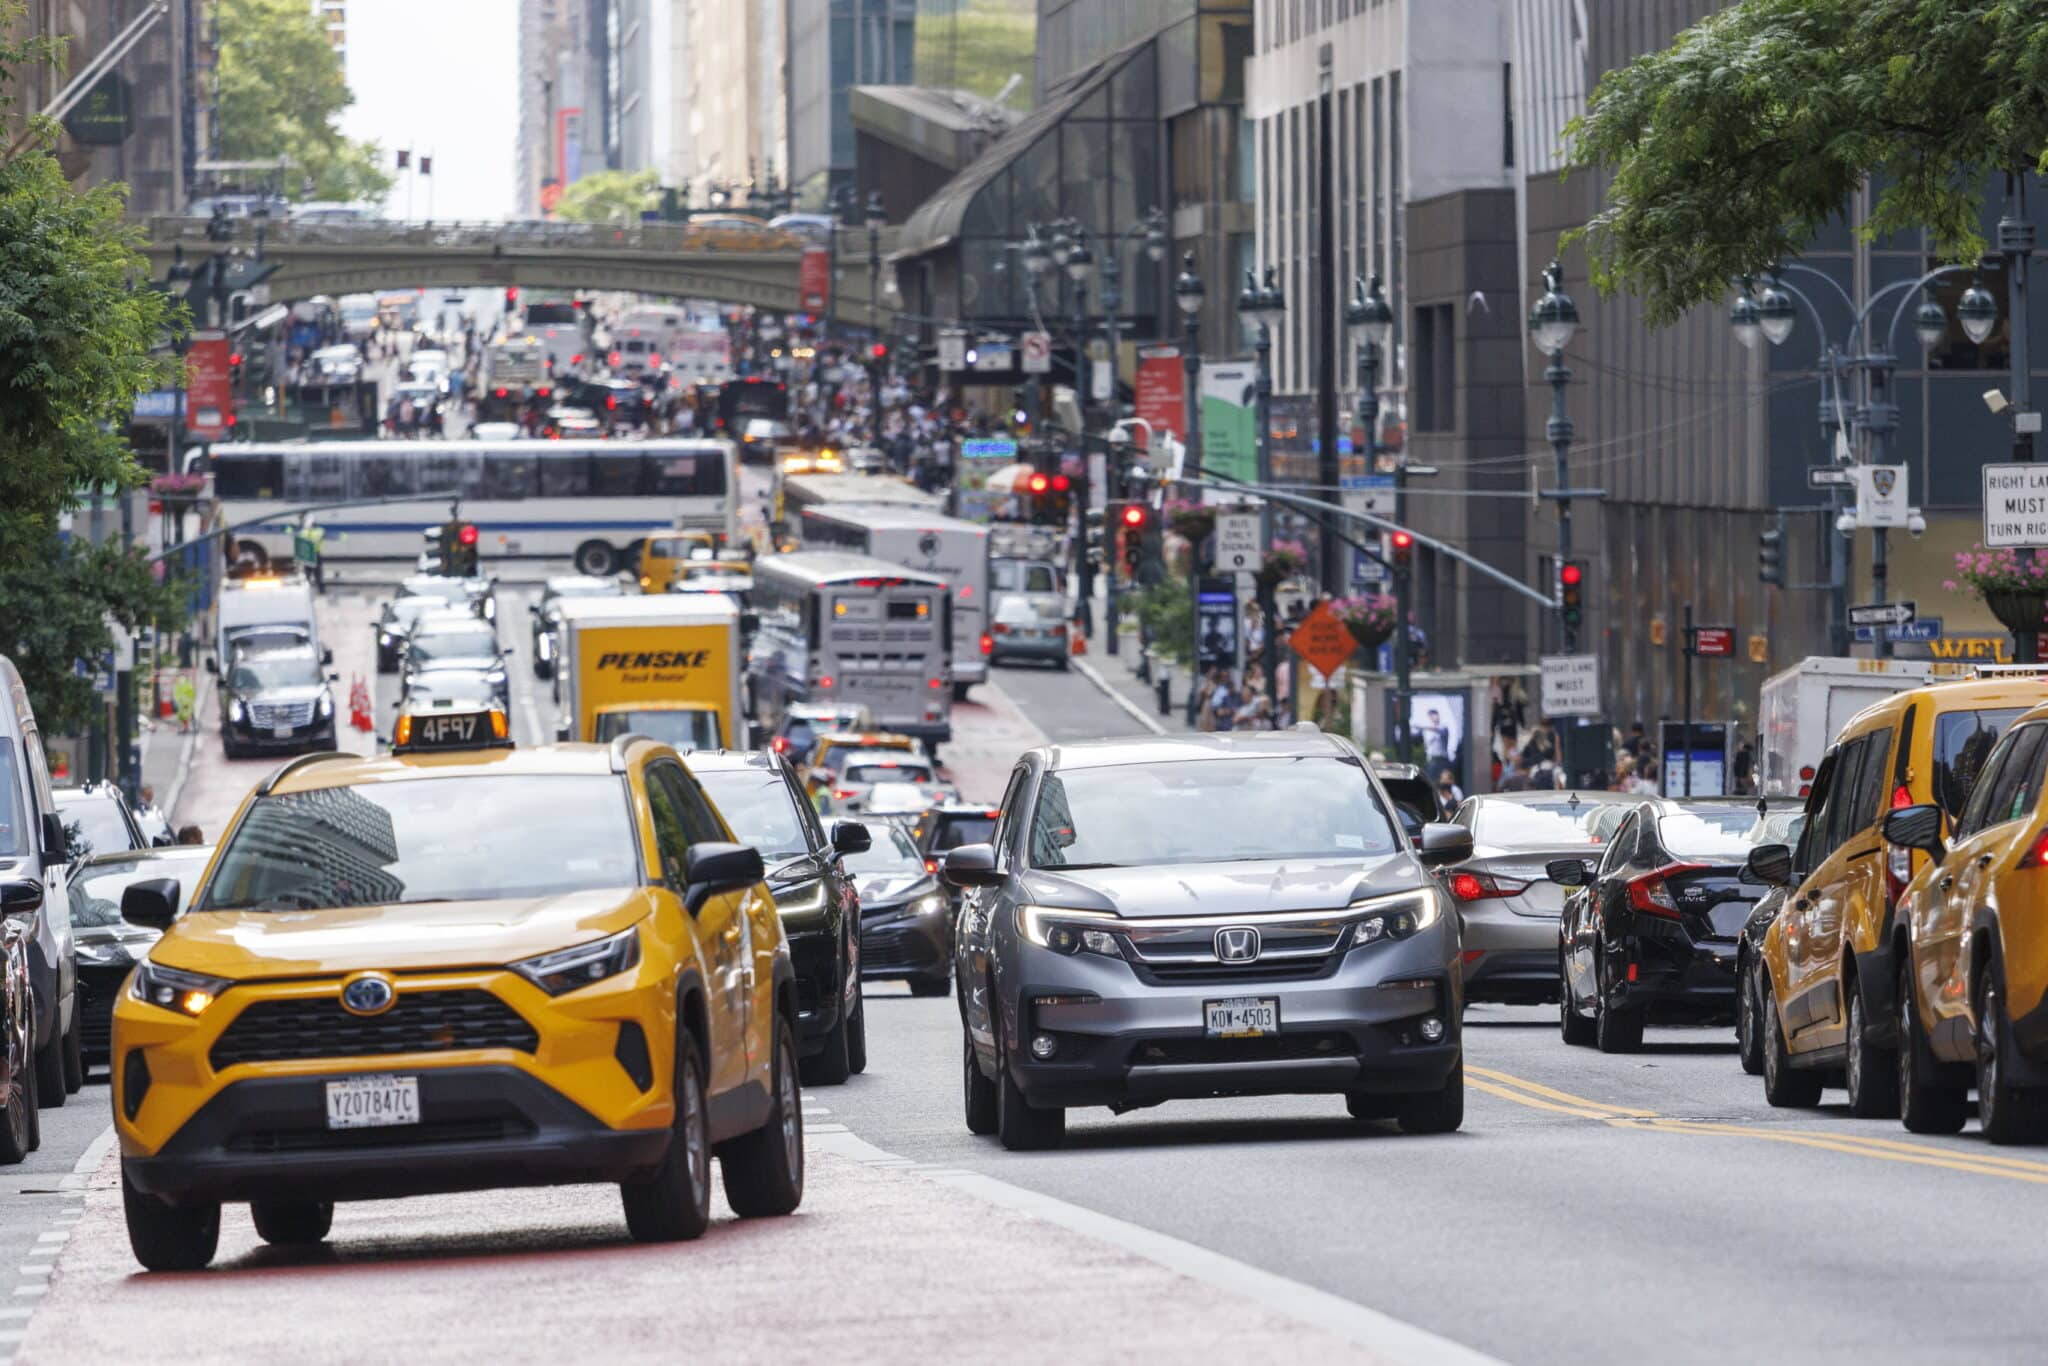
(135, 938)
(1251, 886)
(244, 945)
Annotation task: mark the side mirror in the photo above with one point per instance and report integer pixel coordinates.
(326, 654)
(712, 868)
(1567, 872)
(533, 609)
(56, 842)
(152, 903)
(850, 837)
(1917, 827)
(1444, 843)
(750, 622)
(334, 676)
(1770, 864)
(20, 898)
(971, 865)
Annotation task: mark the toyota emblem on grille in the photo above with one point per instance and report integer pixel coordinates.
(1238, 944)
(370, 994)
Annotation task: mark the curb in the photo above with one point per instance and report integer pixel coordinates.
(177, 792)
(1115, 694)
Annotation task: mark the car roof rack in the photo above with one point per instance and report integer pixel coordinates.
(291, 766)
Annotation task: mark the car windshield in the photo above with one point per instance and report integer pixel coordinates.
(891, 854)
(1713, 834)
(294, 670)
(447, 590)
(96, 891)
(683, 730)
(756, 804)
(470, 838)
(93, 825)
(454, 645)
(1015, 576)
(1560, 824)
(1208, 811)
(869, 770)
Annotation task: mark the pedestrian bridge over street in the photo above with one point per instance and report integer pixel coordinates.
(758, 267)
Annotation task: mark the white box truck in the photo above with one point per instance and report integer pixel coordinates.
(1803, 709)
(661, 665)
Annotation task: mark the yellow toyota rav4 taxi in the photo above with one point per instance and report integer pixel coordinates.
(458, 968)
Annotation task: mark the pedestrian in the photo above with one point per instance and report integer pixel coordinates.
(183, 699)
(1512, 777)
(191, 834)
(1223, 701)
(1448, 796)
(819, 788)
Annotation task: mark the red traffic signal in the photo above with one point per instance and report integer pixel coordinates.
(1571, 574)
(879, 351)
(1134, 514)
(1060, 483)
(467, 534)
(1039, 483)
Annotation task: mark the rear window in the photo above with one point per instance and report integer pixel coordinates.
(888, 771)
(955, 831)
(1537, 825)
(1713, 834)
(1962, 742)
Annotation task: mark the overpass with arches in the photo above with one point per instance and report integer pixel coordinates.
(758, 268)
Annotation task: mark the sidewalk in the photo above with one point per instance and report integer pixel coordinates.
(167, 753)
(1117, 675)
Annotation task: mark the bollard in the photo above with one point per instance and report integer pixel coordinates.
(1165, 689)
(1145, 666)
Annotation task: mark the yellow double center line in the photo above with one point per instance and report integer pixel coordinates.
(1537, 1096)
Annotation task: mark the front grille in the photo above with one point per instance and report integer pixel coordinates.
(280, 713)
(96, 996)
(259, 1142)
(419, 1022)
(881, 949)
(1235, 975)
(1292, 949)
(1273, 1048)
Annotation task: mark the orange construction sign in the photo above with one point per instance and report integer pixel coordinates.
(1323, 640)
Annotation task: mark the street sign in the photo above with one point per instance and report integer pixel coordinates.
(1366, 571)
(1372, 494)
(992, 356)
(209, 387)
(1882, 614)
(1037, 353)
(1238, 549)
(988, 448)
(1571, 685)
(2015, 505)
(1323, 640)
(1881, 496)
(1713, 642)
(1918, 631)
(1828, 476)
(952, 350)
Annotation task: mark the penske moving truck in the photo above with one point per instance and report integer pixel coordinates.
(664, 666)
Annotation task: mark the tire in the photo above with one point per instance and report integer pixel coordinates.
(20, 1130)
(1614, 1031)
(2007, 1113)
(932, 984)
(1434, 1112)
(979, 1092)
(960, 691)
(1020, 1127)
(857, 1035)
(596, 559)
(674, 1204)
(1785, 1087)
(166, 1237)
(833, 1066)
(1872, 1074)
(764, 1170)
(1575, 1028)
(1749, 1048)
(1060, 664)
(292, 1223)
(50, 1090)
(74, 1056)
(1925, 1107)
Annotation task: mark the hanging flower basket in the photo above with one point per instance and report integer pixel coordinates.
(1284, 559)
(2015, 590)
(1370, 620)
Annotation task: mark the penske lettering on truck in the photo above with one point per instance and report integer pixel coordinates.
(654, 659)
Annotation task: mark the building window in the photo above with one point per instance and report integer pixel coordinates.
(1507, 110)
(1436, 369)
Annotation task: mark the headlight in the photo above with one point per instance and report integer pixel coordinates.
(326, 704)
(235, 711)
(495, 677)
(568, 969)
(384, 638)
(1067, 932)
(1394, 917)
(188, 993)
(931, 903)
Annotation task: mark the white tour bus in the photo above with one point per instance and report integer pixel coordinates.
(854, 630)
(589, 502)
(954, 550)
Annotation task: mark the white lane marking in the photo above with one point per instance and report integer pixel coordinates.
(53, 1236)
(31, 1289)
(17, 1311)
(1368, 1328)
(1087, 671)
(88, 1161)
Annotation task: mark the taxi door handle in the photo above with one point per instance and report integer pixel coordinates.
(1983, 860)
(731, 934)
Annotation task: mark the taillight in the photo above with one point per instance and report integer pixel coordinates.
(2037, 852)
(931, 865)
(1806, 773)
(826, 681)
(781, 745)
(1649, 893)
(1481, 886)
(938, 683)
(1002, 629)
(988, 644)
(1059, 632)
(842, 793)
(1901, 799)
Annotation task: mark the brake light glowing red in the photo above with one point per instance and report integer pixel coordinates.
(938, 683)
(2037, 852)
(781, 745)
(1901, 798)
(826, 681)
(931, 865)
(498, 393)
(1480, 886)
(1466, 887)
(1806, 773)
(576, 359)
(1650, 895)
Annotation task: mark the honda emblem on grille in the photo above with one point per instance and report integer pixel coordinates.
(370, 994)
(1238, 944)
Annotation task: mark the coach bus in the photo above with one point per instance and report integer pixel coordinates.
(954, 550)
(857, 631)
(588, 502)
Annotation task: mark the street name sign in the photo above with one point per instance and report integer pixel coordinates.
(1882, 614)
(1237, 543)
(1828, 477)
(1571, 685)
(1713, 642)
(2015, 505)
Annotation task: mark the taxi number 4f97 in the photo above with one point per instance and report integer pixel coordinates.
(441, 730)
(372, 1102)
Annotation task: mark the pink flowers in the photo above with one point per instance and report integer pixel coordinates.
(2000, 571)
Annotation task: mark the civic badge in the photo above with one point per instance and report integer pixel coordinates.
(369, 994)
(1237, 944)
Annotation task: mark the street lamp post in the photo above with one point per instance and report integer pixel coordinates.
(1371, 324)
(877, 216)
(1187, 296)
(1552, 323)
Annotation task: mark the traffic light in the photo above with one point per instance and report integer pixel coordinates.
(1770, 556)
(1400, 549)
(511, 299)
(235, 370)
(459, 549)
(879, 351)
(1571, 582)
(1133, 519)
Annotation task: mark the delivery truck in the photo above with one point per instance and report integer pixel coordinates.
(664, 666)
(1802, 710)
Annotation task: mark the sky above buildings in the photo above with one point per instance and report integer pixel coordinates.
(439, 77)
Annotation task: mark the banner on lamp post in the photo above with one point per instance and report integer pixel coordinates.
(1161, 391)
(1230, 425)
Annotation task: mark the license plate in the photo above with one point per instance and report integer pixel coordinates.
(281, 732)
(1242, 1017)
(372, 1102)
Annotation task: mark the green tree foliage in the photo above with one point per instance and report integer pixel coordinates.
(978, 46)
(1731, 149)
(282, 93)
(610, 197)
(77, 322)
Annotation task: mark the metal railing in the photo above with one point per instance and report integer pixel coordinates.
(521, 236)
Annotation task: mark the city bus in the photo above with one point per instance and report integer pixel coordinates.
(914, 538)
(856, 631)
(590, 502)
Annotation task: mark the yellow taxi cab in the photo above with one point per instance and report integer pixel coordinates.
(833, 747)
(824, 460)
(1974, 966)
(663, 555)
(1821, 996)
(458, 968)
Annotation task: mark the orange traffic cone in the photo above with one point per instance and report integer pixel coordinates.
(359, 705)
(1077, 641)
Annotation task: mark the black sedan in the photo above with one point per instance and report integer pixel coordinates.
(1651, 933)
(759, 797)
(906, 918)
(108, 946)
